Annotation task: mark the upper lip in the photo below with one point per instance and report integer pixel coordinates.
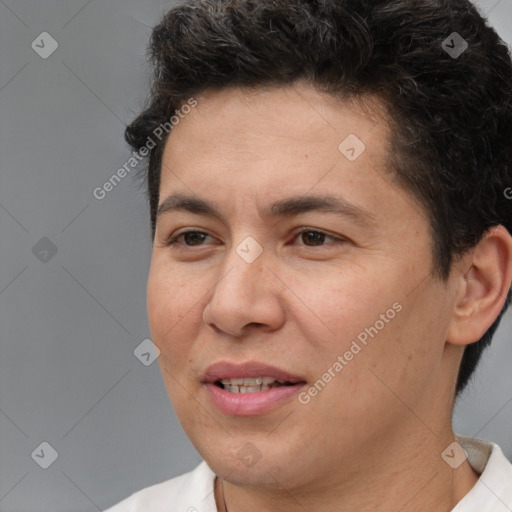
(227, 370)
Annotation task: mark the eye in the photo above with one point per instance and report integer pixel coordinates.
(317, 238)
(195, 237)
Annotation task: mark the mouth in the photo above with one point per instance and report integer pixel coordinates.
(251, 384)
(251, 388)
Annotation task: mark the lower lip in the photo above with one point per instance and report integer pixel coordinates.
(251, 404)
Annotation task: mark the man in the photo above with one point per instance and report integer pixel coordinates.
(332, 250)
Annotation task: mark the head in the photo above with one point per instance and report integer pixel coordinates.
(274, 90)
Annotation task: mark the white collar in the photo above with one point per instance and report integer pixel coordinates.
(493, 490)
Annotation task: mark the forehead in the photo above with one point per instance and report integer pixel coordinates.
(277, 124)
(282, 106)
(278, 142)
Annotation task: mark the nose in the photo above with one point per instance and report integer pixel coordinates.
(246, 296)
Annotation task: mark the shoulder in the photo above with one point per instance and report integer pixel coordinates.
(190, 492)
(493, 490)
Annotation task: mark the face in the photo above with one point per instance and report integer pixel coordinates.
(295, 305)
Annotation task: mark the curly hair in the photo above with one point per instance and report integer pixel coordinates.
(450, 113)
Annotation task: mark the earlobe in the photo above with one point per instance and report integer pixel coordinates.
(483, 287)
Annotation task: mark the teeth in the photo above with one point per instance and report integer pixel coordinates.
(248, 389)
(250, 385)
(252, 381)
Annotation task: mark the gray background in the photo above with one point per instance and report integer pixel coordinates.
(70, 321)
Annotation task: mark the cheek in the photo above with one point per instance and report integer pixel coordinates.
(172, 310)
(374, 321)
(342, 305)
(405, 357)
(170, 317)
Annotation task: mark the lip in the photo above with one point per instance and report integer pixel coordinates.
(225, 370)
(249, 404)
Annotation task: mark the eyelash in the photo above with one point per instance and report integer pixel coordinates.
(173, 239)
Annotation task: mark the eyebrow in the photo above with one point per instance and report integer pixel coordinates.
(288, 207)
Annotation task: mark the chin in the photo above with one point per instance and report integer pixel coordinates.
(253, 460)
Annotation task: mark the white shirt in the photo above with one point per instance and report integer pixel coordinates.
(193, 492)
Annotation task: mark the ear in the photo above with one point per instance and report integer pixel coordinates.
(482, 286)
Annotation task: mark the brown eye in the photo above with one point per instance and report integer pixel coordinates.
(315, 238)
(191, 238)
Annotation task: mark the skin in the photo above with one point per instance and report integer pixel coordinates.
(383, 422)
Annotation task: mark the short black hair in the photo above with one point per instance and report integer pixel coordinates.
(449, 106)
